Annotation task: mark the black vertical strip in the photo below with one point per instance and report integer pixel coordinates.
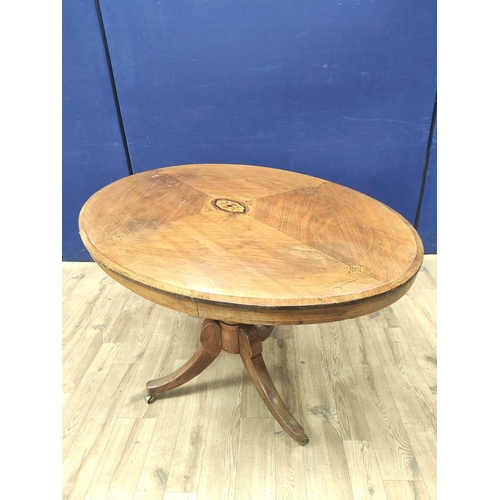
(426, 164)
(113, 86)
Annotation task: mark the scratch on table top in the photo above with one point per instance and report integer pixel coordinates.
(128, 230)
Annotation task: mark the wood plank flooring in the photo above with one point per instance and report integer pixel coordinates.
(364, 390)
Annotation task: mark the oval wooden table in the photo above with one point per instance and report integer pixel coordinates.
(245, 246)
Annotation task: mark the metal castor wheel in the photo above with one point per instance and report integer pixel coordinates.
(150, 398)
(305, 440)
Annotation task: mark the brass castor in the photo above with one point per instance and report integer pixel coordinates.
(150, 398)
(305, 440)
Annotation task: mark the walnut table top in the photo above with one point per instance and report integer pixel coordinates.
(251, 244)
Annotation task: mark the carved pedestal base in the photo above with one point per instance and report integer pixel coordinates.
(245, 340)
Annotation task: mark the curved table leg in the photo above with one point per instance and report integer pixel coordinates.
(251, 354)
(210, 348)
(265, 331)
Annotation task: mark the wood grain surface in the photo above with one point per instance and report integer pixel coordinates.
(364, 389)
(251, 244)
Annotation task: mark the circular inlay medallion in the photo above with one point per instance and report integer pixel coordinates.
(229, 205)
